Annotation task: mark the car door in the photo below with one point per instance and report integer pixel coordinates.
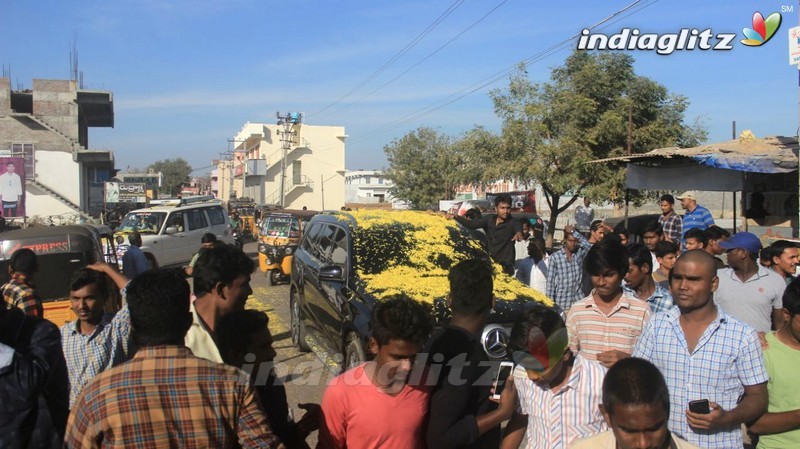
(332, 309)
(172, 245)
(196, 226)
(305, 268)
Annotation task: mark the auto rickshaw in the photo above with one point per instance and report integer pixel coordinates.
(60, 251)
(246, 208)
(280, 233)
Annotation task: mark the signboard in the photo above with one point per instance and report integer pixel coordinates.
(12, 186)
(125, 192)
(794, 45)
(522, 201)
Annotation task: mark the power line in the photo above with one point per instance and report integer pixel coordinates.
(398, 55)
(452, 98)
(421, 60)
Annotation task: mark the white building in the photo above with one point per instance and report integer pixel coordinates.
(367, 187)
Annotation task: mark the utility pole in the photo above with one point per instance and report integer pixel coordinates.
(288, 121)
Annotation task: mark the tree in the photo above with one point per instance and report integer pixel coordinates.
(550, 131)
(175, 174)
(423, 166)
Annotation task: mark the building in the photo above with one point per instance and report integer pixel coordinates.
(367, 187)
(47, 127)
(291, 165)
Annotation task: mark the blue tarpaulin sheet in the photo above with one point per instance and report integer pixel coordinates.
(742, 163)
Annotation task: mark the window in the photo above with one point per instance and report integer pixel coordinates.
(297, 173)
(380, 180)
(367, 180)
(25, 150)
(197, 220)
(339, 254)
(326, 240)
(310, 240)
(176, 220)
(216, 216)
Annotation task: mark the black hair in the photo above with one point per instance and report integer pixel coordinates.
(235, 330)
(537, 315)
(24, 261)
(208, 237)
(400, 317)
(472, 214)
(663, 248)
(714, 232)
(503, 198)
(653, 226)
(10, 163)
(777, 249)
(220, 264)
(639, 255)
(471, 287)
(135, 238)
(597, 224)
(85, 276)
(622, 231)
(158, 301)
(791, 297)
(668, 198)
(635, 381)
(536, 248)
(697, 234)
(606, 255)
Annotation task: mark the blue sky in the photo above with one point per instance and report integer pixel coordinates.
(187, 74)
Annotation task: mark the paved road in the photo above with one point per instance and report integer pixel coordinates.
(304, 374)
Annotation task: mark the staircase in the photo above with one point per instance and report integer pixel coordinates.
(59, 197)
(75, 144)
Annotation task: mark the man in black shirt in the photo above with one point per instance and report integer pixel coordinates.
(461, 413)
(502, 230)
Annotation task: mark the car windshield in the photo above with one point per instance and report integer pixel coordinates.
(276, 226)
(143, 222)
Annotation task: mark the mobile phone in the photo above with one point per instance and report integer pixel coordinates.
(700, 406)
(502, 374)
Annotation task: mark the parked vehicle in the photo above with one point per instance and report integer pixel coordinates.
(171, 231)
(348, 261)
(279, 236)
(246, 208)
(60, 251)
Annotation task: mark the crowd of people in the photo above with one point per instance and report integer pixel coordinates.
(650, 345)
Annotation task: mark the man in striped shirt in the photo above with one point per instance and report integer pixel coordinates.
(604, 326)
(558, 392)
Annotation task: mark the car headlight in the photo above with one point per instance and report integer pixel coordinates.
(288, 250)
(262, 248)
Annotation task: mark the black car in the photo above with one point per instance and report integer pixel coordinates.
(348, 261)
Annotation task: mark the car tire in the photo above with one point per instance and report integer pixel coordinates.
(354, 354)
(298, 328)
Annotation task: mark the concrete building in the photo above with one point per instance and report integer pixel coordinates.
(48, 127)
(305, 162)
(367, 187)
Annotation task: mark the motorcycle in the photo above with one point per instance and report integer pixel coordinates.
(237, 239)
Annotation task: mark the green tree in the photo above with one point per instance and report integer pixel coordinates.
(423, 166)
(175, 174)
(550, 131)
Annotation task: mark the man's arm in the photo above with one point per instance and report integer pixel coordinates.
(515, 431)
(777, 319)
(253, 429)
(776, 422)
(552, 275)
(475, 223)
(583, 242)
(333, 422)
(119, 279)
(752, 406)
(708, 220)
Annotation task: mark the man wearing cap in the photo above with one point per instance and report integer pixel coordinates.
(696, 216)
(558, 392)
(748, 291)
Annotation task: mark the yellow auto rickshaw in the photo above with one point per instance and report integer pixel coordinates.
(280, 233)
(246, 208)
(60, 251)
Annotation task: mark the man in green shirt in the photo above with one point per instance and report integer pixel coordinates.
(780, 426)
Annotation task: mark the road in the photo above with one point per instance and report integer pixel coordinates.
(304, 375)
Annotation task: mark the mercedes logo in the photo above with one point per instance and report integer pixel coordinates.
(495, 341)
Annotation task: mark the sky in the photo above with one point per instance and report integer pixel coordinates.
(186, 75)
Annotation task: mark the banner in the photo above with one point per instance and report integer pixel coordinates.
(521, 201)
(125, 192)
(12, 186)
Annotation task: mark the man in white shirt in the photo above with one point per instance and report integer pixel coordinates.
(10, 190)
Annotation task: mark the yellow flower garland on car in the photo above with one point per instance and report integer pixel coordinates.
(417, 249)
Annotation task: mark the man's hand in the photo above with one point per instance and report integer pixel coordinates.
(609, 358)
(101, 267)
(508, 398)
(517, 237)
(568, 229)
(762, 338)
(707, 421)
(310, 420)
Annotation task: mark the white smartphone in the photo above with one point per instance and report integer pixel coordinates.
(502, 374)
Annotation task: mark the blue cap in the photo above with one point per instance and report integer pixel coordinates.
(745, 240)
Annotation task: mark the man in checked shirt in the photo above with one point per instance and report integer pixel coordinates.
(19, 291)
(165, 396)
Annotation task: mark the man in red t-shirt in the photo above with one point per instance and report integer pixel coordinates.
(373, 405)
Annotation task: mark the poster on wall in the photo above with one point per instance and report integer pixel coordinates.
(12, 186)
(125, 192)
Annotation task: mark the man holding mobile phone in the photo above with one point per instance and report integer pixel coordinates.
(705, 353)
(461, 412)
